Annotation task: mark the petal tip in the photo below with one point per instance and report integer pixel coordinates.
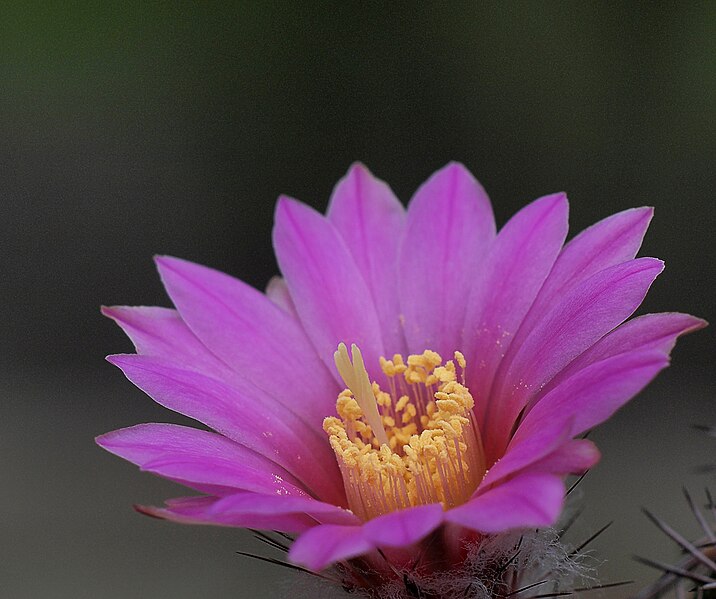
(148, 510)
(552, 202)
(104, 440)
(119, 360)
(160, 259)
(119, 314)
(166, 263)
(455, 170)
(285, 202)
(285, 207)
(698, 324)
(647, 211)
(358, 169)
(110, 311)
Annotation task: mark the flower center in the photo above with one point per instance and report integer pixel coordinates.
(412, 444)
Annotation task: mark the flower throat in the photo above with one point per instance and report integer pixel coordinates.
(412, 444)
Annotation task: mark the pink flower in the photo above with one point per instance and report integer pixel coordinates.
(454, 444)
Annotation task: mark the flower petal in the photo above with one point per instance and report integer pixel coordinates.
(404, 527)
(594, 393)
(650, 331)
(518, 263)
(449, 228)
(199, 510)
(329, 292)
(528, 500)
(371, 220)
(611, 241)
(574, 457)
(277, 291)
(160, 332)
(199, 459)
(252, 335)
(587, 313)
(241, 506)
(524, 452)
(329, 543)
(249, 418)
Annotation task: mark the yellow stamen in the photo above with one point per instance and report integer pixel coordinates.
(414, 445)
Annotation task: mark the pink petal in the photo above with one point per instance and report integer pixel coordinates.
(588, 312)
(328, 290)
(404, 527)
(526, 501)
(249, 418)
(199, 510)
(450, 225)
(326, 544)
(650, 331)
(518, 263)
(594, 393)
(199, 459)
(529, 449)
(277, 291)
(611, 241)
(370, 219)
(241, 506)
(160, 332)
(253, 336)
(573, 457)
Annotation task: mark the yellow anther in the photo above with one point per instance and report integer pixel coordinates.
(414, 377)
(348, 408)
(399, 364)
(387, 366)
(409, 413)
(445, 374)
(402, 402)
(460, 359)
(449, 405)
(382, 398)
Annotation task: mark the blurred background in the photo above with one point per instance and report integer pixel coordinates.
(129, 129)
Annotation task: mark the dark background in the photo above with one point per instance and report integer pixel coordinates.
(138, 129)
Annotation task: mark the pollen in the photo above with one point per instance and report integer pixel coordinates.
(414, 442)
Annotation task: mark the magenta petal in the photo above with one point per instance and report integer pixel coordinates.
(253, 420)
(200, 510)
(450, 225)
(594, 393)
(370, 219)
(198, 458)
(324, 545)
(650, 331)
(525, 451)
(518, 263)
(244, 505)
(404, 527)
(611, 241)
(328, 290)
(161, 332)
(528, 500)
(253, 336)
(588, 312)
(573, 457)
